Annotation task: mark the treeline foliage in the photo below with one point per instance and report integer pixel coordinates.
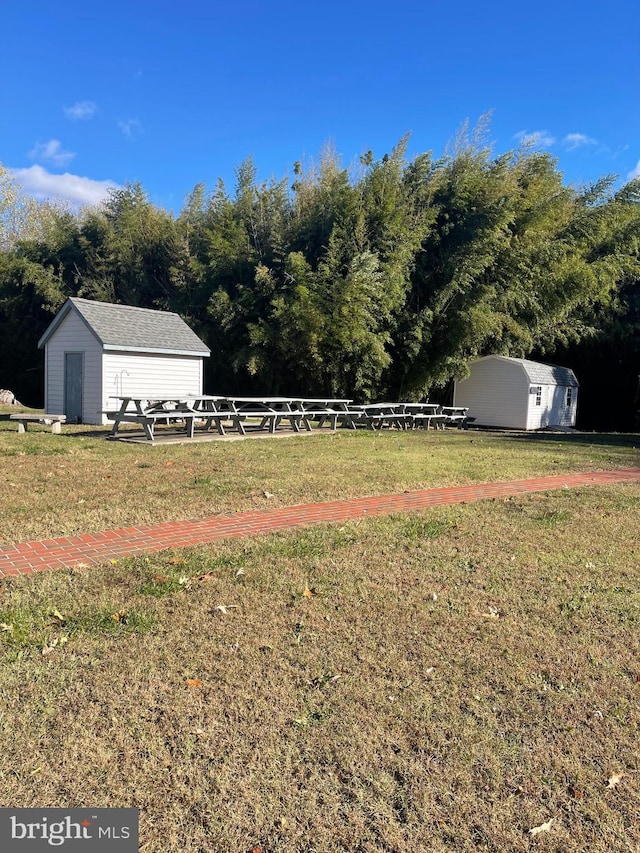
(370, 282)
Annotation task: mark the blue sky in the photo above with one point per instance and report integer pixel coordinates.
(174, 93)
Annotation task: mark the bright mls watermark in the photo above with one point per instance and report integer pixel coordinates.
(69, 830)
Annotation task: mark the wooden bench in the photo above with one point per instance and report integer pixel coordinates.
(321, 416)
(397, 420)
(54, 421)
(271, 418)
(148, 420)
(425, 420)
(455, 416)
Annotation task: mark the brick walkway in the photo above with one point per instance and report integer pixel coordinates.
(92, 548)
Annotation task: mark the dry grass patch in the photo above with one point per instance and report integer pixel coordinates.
(77, 482)
(437, 681)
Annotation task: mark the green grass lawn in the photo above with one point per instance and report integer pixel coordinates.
(440, 681)
(77, 482)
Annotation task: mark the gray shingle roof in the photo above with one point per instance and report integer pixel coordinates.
(126, 327)
(547, 374)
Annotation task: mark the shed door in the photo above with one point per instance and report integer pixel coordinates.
(73, 382)
(560, 414)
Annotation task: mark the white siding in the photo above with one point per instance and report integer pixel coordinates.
(107, 375)
(147, 375)
(537, 416)
(496, 392)
(499, 392)
(553, 411)
(73, 336)
(559, 413)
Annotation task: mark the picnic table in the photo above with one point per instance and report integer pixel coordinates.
(223, 412)
(376, 415)
(148, 412)
(269, 413)
(323, 409)
(456, 415)
(425, 415)
(265, 412)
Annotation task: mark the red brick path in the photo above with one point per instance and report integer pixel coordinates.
(27, 557)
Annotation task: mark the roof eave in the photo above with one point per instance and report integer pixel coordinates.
(156, 350)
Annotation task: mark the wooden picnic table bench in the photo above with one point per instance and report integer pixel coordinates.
(376, 415)
(270, 411)
(54, 421)
(425, 415)
(322, 409)
(149, 420)
(148, 413)
(455, 415)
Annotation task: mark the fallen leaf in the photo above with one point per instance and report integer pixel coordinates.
(193, 682)
(613, 780)
(225, 608)
(46, 650)
(576, 794)
(309, 593)
(184, 580)
(268, 495)
(206, 577)
(176, 561)
(492, 613)
(544, 827)
(58, 617)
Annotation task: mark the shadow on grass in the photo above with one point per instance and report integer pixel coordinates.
(573, 439)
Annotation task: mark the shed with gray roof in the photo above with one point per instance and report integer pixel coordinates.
(517, 393)
(96, 352)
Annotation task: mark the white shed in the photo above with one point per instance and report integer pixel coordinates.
(97, 351)
(518, 394)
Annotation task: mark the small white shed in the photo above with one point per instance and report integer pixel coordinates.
(97, 351)
(518, 394)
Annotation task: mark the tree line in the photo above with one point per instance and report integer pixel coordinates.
(381, 280)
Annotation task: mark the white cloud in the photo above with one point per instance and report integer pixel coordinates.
(81, 110)
(576, 140)
(75, 189)
(535, 137)
(634, 173)
(131, 127)
(51, 152)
